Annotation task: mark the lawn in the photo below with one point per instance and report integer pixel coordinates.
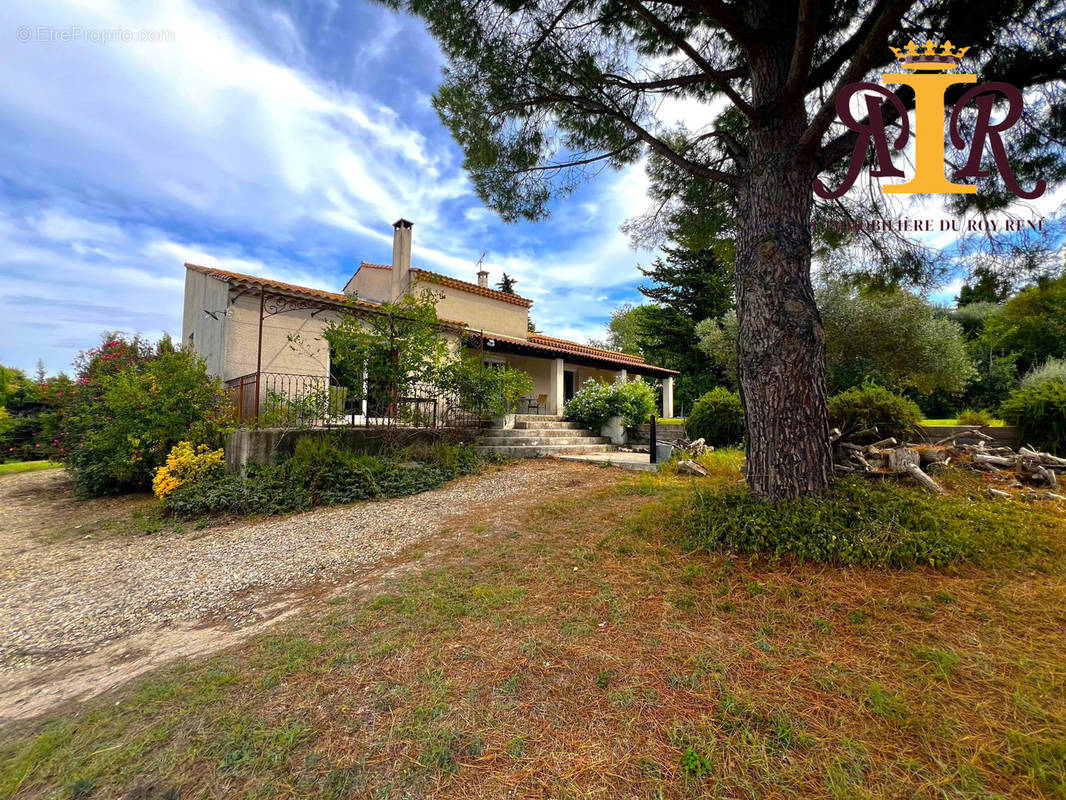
(996, 423)
(13, 467)
(578, 650)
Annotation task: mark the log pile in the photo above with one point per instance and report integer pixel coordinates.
(1035, 473)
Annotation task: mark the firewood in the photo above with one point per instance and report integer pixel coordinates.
(902, 458)
(999, 461)
(916, 472)
(889, 442)
(1047, 476)
(865, 464)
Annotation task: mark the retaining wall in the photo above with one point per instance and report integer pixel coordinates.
(269, 445)
(1002, 435)
(641, 434)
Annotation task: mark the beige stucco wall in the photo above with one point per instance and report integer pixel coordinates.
(371, 284)
(479, 313)
(306, 353)
(204, 333)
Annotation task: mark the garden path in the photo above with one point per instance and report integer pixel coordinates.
(88, 599)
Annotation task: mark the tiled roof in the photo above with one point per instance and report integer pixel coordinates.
(561, 347)
(584, 349)
(293, 289)
(455, 283)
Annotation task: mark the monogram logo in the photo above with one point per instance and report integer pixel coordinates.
(926, 75)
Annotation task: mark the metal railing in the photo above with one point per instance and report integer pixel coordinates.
(288, 400)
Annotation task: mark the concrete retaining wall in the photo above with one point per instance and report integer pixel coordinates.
(641, 434)
(269, 445)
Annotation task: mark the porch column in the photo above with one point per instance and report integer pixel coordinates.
(621, 376)
(555, 392)
(668, 396)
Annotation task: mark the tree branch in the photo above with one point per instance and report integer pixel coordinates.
(806, 37)
(729, 18)
(861, 63)
(714, 74)
(828, 68)
(677, 82)
(581, 161)
(594, 106)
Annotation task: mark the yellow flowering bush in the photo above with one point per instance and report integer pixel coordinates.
(186, 463)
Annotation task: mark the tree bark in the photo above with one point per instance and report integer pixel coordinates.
(781, 340)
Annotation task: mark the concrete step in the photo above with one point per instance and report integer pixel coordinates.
(541, 450)
(519, 441)
(545, 417)
(546, 433)
(545, 424)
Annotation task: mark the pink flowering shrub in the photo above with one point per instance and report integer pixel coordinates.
(129, 404)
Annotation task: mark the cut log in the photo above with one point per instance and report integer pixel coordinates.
(916, 472)
(999, 461)
(889, 442)
(902, 459)
(1046, 475)
(691, 468)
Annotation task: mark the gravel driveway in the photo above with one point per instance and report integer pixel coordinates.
(63, 598)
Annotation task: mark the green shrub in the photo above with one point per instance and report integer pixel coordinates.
(861, 523)
(597, 402)
(1052, 370)
(263, 490)
(493, 392)
(872, 405)
(320, 473)
(1040, 412)
(717, 418)
(971, 417)
(130, 403)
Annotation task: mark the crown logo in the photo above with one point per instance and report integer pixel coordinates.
(930, 57)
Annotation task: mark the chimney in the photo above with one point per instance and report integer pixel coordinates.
(483, 278)
(401, 258)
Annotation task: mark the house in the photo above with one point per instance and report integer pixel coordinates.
(255, 331)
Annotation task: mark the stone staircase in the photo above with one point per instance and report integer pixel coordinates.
(537, 435)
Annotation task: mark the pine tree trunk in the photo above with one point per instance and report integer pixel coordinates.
(781, 340)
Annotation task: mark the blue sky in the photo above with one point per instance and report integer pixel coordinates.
(277, 140)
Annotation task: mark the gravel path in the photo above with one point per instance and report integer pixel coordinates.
(68, 597)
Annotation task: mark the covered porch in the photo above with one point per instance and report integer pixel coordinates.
(559, 367)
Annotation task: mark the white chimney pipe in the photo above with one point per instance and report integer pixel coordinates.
(483, 278)
(401, 258)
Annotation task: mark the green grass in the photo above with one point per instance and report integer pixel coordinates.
(866, 523)
(27, 466)
(580, 640)
(670, 421)
(996, 423)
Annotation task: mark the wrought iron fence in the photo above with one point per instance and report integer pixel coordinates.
(311, 401)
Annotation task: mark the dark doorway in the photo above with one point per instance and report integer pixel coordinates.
(569, 379)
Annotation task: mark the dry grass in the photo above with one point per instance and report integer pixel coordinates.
(574, 651)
